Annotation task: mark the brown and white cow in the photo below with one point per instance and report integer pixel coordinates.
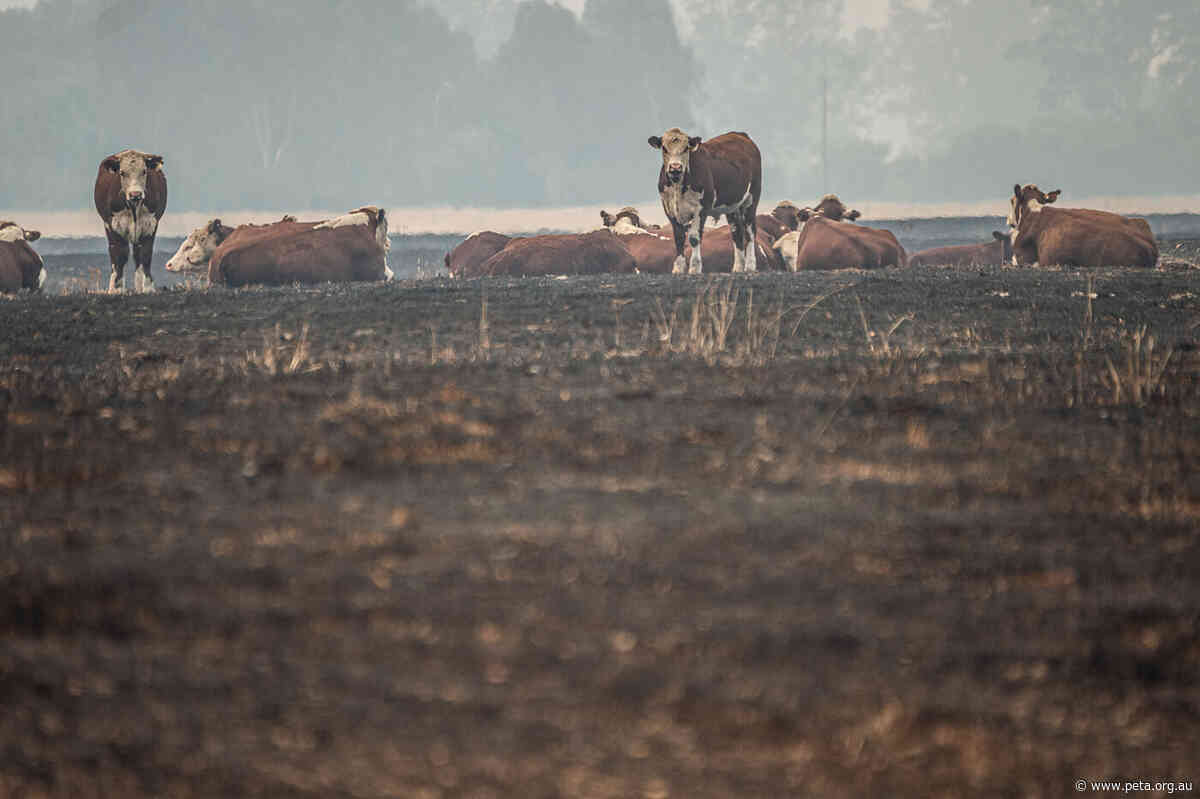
(20, 265)
(597, 252)
(351, 247)
(699, 180)
(197, 249)
(131, 196)
(989, 253)
(825, 244)
(470, 254)
(785, 218)
(831, 207)
(1075, 236)
(626, 221)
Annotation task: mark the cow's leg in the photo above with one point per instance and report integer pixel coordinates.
(737, 230)
(695, 239)
(118, 256)
(751, 227)
(143, 253)
(680, 266)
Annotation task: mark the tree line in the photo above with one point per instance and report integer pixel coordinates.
(333, 103)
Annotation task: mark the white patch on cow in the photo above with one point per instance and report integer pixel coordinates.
(42, 277)
(679, 267)
(12, 233)
(681, 205)
(696, 267)
(751, 260)
(113, 286)
(345, 220)
(142, 282)
(739, 258)
(626, 228)
(788, 246)
(133, 228)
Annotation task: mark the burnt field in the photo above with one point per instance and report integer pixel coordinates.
(925, 532)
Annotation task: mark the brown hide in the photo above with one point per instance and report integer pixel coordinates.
(297, 252)
(716, 249)
(20, 266)
(989, 253)
(654, 253)
(572, 254)
(1083, 237)
(824, 244)
(466, 259)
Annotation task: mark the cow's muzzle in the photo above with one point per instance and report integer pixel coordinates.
(135, 198)
(675, 173)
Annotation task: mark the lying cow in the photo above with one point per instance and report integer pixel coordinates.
(701, 180)
(826, 244)
(131, 196)
(785, 218)
(197, 249)
(989, 253)
(466, 259)
(20, 265)
(350, 247)
(626, 221)
(571, 254)
(831, 207)
(1075, 236)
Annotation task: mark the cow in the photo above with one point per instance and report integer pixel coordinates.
(599, 251)
(989, 253)
(197, 249)
(699, 180)
(831, 207)
(785, 218)
(466, 259)
(131, 196)
(351, 247)
(826, 244)
(626, 221)
(20, 265)
(1075, 236)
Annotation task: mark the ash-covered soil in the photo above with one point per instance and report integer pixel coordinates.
(915, 533)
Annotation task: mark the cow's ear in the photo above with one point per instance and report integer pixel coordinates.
(1052, 196)
(694, 142)
(655, 142)
(154, 161)
(215, 227)
(1017, 190)
(607, 219)
(998, 236)
(32, 235)
(852, 215)
(112, 163)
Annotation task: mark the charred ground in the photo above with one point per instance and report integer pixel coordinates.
(926, 532)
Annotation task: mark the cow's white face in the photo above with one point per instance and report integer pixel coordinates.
(368, 216)
(11, 231)
(677, 148)
(198, 248)
(132, 167)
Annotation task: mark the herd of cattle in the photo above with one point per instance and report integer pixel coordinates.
(698, 181)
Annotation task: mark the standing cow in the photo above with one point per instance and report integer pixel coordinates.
(699, 180)
(131, 195)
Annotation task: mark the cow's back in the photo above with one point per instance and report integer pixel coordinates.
(824, 244)
(592, 253)
(466, 259)
(1090, 238)
(297, 252)
(985, 254)
(653, 253)
(735, 163)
